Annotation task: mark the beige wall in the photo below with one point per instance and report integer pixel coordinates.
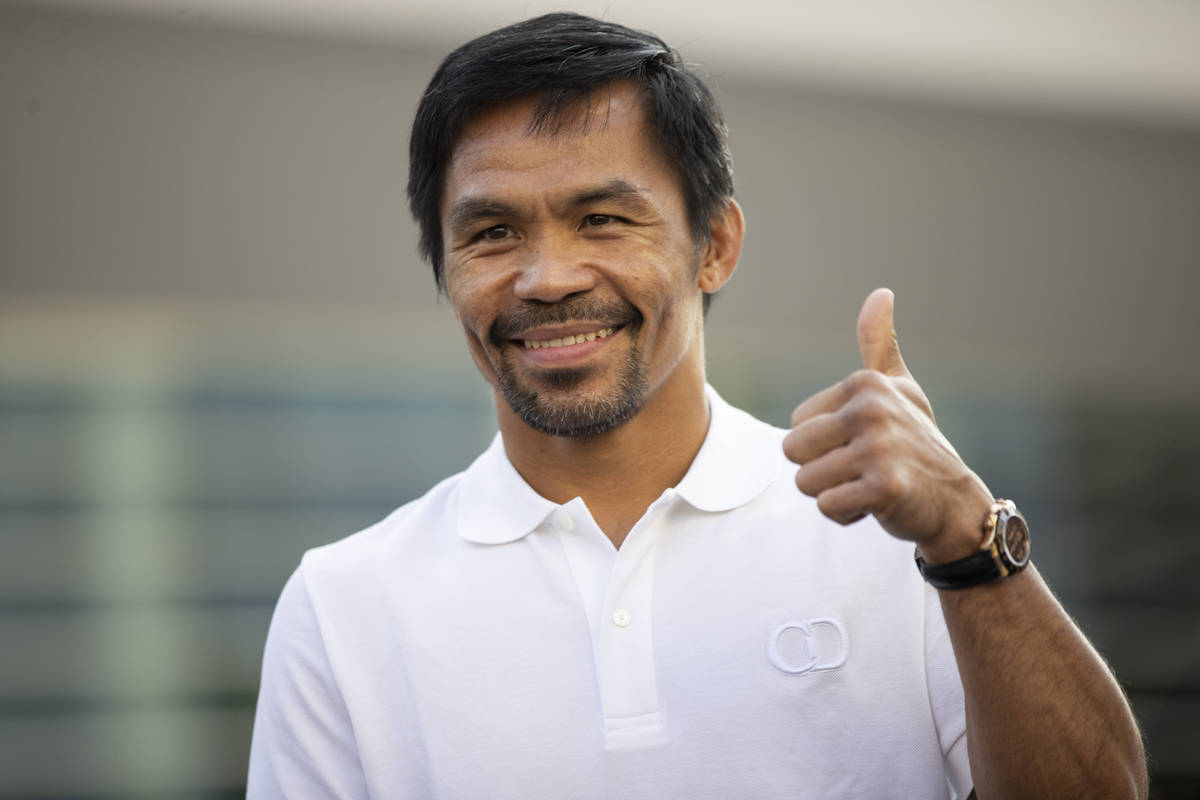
(144, 164)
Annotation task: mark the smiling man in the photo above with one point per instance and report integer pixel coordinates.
(634, 593)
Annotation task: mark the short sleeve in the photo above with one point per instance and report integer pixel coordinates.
(946, 697)
(303, 743)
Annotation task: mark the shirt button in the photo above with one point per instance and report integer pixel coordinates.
(564, 521)
(621, 618)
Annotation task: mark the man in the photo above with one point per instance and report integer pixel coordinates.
(626, 596)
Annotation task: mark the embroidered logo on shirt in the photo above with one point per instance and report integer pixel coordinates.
(811, 645)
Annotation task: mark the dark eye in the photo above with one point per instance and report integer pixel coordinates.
(495, 233)
(596, 220)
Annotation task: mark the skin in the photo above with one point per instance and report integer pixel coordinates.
(591, 218)
(533, 221)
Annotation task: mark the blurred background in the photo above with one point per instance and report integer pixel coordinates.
(218, 347)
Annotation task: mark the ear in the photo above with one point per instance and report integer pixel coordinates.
(728, 228)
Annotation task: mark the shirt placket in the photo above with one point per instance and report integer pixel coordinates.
(622, 625)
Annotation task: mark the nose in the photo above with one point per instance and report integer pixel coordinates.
(552, 273)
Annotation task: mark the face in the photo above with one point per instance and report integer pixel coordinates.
(571, 265)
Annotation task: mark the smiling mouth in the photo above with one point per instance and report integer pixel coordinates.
(576, 322)
(565, 341)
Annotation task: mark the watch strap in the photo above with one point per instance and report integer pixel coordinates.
(977, 568)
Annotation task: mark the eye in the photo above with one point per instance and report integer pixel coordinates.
(495, 233)
(598, 220)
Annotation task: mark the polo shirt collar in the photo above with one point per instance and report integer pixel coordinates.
(739, 459)
(735, 464)
(495, 504)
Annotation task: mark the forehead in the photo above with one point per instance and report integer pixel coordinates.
(607, 136)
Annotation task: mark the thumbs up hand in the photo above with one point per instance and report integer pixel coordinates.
(869, 445)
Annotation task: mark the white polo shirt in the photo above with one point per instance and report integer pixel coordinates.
(484, 642)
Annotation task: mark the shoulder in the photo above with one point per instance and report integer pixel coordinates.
(418, 527)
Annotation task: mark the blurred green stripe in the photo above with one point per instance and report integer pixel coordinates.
(73, 706)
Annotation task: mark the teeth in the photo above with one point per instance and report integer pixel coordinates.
(579, 338)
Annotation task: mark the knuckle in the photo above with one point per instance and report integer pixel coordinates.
(871, 449)
(866, 380)
(889, 485)
(855, 382)
(866, 409)
(854, 412)
(884, 445)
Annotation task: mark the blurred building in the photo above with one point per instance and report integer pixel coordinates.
(218, 347)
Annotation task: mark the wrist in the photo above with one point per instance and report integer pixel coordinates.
(962, 536)
(950, 548)
(1003, 552)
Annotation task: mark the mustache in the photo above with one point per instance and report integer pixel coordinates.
(572, 309)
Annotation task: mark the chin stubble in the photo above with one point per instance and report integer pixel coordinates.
(574, 416)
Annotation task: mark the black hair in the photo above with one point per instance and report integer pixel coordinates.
(561, 59)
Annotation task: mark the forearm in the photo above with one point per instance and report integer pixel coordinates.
(1045, 717)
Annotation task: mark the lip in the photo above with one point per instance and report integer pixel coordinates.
(564, 354)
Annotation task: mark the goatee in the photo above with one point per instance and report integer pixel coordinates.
(576, 416)
(556, 409)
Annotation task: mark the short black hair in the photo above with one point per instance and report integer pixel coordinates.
(562, 59)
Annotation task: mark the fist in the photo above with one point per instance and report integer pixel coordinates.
(869, 445)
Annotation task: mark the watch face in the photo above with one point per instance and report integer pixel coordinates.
(1016, 540)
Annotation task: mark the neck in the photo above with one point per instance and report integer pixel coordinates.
(620, 473)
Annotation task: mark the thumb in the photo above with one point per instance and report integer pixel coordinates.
(877, 341)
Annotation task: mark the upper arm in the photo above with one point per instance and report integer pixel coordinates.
(303, 743)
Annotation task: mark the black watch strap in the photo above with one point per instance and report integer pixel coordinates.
(977, 568)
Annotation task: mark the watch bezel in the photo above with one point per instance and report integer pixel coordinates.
(1006, 515)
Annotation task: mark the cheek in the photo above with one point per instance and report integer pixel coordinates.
(468, 296)
(671, 289)
(673, 304)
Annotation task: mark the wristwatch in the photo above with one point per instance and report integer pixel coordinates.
(1005, 551)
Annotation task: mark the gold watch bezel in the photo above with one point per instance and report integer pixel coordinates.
(997, 545)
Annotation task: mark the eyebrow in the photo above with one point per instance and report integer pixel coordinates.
(617, 190)
(471, 209)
